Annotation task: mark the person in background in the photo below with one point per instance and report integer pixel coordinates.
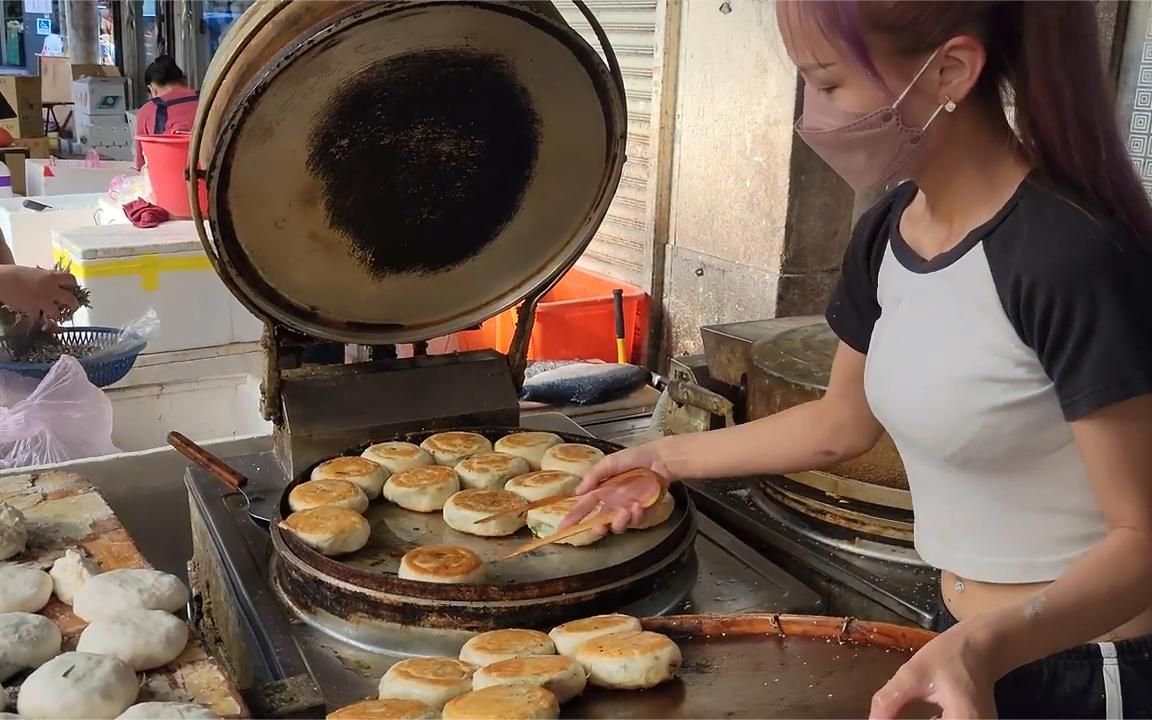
(172, 108)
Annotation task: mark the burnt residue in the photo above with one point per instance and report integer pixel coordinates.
(423, 158)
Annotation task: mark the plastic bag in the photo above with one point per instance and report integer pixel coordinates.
(64, 417)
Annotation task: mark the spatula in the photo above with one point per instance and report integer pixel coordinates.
(630, 476)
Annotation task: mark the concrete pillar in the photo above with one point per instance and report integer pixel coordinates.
(83, 31)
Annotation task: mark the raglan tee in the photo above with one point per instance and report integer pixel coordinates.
(978, 359)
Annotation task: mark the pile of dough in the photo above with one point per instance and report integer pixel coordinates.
(658, 513)
(111, 593)
(489, 471)
(145, 639)
(449, 448)
(327, 493)
(529, 445)
(575, 458)
(562, 676)
(633, 660)
(464, 509)
(23, 589)
(78, 685)
(422, 489)
(329, 531)
(432, 681)
(69, 573)
(496, 645)
(442, 564)
(397, 456)
(571, 635)
(544, 521)
(167, 711)
(385, 710)
(504, 702)
(364, 474)
(13, 531)
(27, 641)
(543, 484)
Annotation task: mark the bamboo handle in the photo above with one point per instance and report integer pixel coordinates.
(589, 523)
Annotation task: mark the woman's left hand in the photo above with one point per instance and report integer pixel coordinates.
(951, 672)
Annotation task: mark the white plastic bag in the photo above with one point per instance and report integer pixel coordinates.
(64, 417)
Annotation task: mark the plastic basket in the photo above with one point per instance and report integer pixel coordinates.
(109, 354)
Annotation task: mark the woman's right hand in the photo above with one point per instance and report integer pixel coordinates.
(40, 294)
(623, 501)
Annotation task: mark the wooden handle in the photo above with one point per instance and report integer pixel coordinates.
(591, 522)
(208, 462)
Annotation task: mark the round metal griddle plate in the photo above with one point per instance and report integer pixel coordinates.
(411, 169)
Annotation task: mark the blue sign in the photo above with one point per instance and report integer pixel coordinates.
(44, 26)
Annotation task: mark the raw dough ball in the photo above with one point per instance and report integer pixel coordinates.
(422, 489)
(529, 445)
(496, 645)
(145, 639)
(506, 702)
(489, 471)
(329, 531)
(629, 660)
(23, 589)
(543, 484)
(327, 493)
(27, 641)
(385, 710)
(167, 711)
(544, 521)
(464, 509)
(13, 532)
(80, 686)
(364, 474)
(571, 635)
(658, 513)
(397, 456)
(562, 676)
(69, 573)
(108, 594)
(449, 448)
(442, 564)
(433, 681)
(575, 458)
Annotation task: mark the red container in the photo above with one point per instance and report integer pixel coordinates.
(166, 158)
(574, 321)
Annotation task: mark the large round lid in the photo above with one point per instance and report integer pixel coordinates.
(403, 170)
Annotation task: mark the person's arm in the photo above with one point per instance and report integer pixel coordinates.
(5, 252)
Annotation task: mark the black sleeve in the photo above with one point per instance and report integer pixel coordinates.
(853, 309)
(1079, 293)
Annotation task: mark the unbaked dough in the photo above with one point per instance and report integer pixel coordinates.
(145, 639)
(78, 686)
(329, 531)
(571, 635)
(629, 660)
(397, 456)
(167, 711)
(489, 471)
(69, 573)
(433, 681)
(367, 475)
(529, 445)
(496, 645)
(23, 589)
(13, 532)
(505, 702)
(108, 594)
(27, 641)
(562, 676)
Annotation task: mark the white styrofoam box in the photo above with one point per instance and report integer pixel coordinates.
(72, 177)
(100, 96)
(29, 232)
(129, 270)
(102, 130)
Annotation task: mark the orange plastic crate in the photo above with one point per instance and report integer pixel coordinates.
(573, 321)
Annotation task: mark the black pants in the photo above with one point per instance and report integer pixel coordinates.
(1099, 680)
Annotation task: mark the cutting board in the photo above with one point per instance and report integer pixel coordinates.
(64, 511)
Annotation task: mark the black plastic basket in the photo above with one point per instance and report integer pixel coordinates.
(106, 354)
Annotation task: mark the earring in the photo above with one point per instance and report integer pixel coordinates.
(949, 104)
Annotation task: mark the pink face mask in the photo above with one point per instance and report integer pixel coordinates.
(866, 149)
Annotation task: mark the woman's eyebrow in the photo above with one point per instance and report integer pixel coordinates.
(816, 66)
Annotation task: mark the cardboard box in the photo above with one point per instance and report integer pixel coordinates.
(14, 157)
(58, 73)
(100, 96)
(23, 93)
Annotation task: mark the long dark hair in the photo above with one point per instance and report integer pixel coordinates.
(1044, 57)
(164, 71)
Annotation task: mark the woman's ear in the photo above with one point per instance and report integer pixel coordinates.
(961, 61)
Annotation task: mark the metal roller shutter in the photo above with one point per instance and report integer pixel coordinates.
(622, 248)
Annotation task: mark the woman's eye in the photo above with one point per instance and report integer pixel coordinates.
(825, 90)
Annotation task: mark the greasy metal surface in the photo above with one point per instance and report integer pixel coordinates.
(728, 347)
(848, 489)
(283, 54)
(873, 521)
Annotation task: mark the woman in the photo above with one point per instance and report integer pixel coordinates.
(172, 107)
(995, 317)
